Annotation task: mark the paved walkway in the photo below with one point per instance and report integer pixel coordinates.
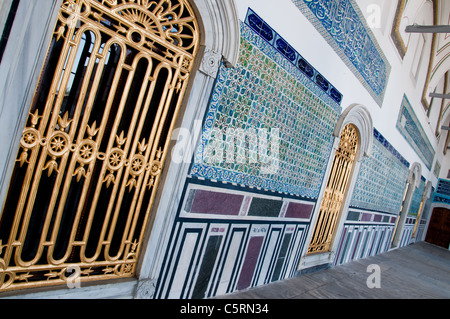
(417, 271)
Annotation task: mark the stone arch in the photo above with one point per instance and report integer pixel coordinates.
(359, 116)
(219, 23)
(412, 182)
(415, 173)
(443, 121)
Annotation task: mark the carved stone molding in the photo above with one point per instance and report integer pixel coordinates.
(145, 289)
(359, 116)
(221, 28)
(427, 191)
(210, 63)
(415, 174)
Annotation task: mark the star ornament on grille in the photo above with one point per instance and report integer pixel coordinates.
(115, 159)
(29, 138)
(58, 144)
(86, 151)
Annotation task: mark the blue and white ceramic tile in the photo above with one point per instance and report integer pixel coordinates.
(343, 26)
(382, 178)
(409, 126)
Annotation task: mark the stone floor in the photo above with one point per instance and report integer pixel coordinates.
(417, 271)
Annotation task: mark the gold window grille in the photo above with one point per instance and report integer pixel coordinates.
(95, 140)
(335, 192)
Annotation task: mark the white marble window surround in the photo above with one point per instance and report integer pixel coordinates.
(19, 72)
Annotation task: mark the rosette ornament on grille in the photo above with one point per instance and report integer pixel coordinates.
(97, 134)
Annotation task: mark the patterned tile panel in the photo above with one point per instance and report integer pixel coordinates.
(409, 126)
(417, 199)
(343, 26)
(268, 94)
(442, 193)
(382, 178)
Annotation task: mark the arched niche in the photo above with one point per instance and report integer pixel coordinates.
(415, 173)
(356, 115)
(412, 182)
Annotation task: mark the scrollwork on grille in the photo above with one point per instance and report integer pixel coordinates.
(93, 148)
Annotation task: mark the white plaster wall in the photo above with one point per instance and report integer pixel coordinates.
(402, 82)
(444, 159)
(434, 115)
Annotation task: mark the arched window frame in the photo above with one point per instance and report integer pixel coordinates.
(359, 116)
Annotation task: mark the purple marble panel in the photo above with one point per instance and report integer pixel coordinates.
(251, 258)
(207, 202)
(366, 217)
(297, 210)
(377, 218)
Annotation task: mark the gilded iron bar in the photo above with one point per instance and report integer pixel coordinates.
(95, 141)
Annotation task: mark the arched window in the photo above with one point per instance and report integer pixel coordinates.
(95, 141)
(336, 191)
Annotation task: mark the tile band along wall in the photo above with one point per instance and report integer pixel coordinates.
(208, 200)
(275, 40)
